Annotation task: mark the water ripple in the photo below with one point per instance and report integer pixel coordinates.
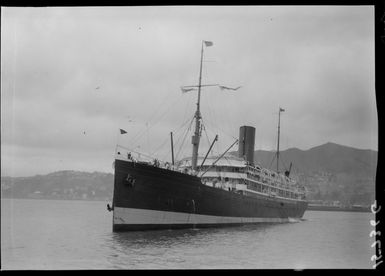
(78, 235)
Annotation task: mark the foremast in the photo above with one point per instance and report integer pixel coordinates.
(197, 133)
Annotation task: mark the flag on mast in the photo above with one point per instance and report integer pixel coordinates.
(281, 110)
(122, 131)
(185, 90)
(208, 43)
(229, 88)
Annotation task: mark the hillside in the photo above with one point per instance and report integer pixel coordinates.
(330, 172)
(60, 185)
(330, 157)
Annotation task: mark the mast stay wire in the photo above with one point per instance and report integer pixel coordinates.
(184, 138)
(152, 115)
(151, 125)
(188, 102)
(227, 119)
(209, 113)
(182, 143)
(281, 159)
(187, 129)
(221, 130)
(274, 156)
(218, 145)
(159, 118)
(212, 115)
(166, 140)
(207, 137)
(174, 132)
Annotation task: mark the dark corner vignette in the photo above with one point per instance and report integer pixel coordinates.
(378, 206)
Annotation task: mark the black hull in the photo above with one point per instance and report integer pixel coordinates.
(166, 199)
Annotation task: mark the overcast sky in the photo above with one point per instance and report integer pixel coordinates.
(71, 77)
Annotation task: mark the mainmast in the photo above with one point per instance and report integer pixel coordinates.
(197, 116)
(279, 122)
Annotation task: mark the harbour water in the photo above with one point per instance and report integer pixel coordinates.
(60, 234)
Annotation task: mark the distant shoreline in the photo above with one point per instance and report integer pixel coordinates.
(68, 199)
(338, 209)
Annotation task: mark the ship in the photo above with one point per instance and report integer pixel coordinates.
(203, 191)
